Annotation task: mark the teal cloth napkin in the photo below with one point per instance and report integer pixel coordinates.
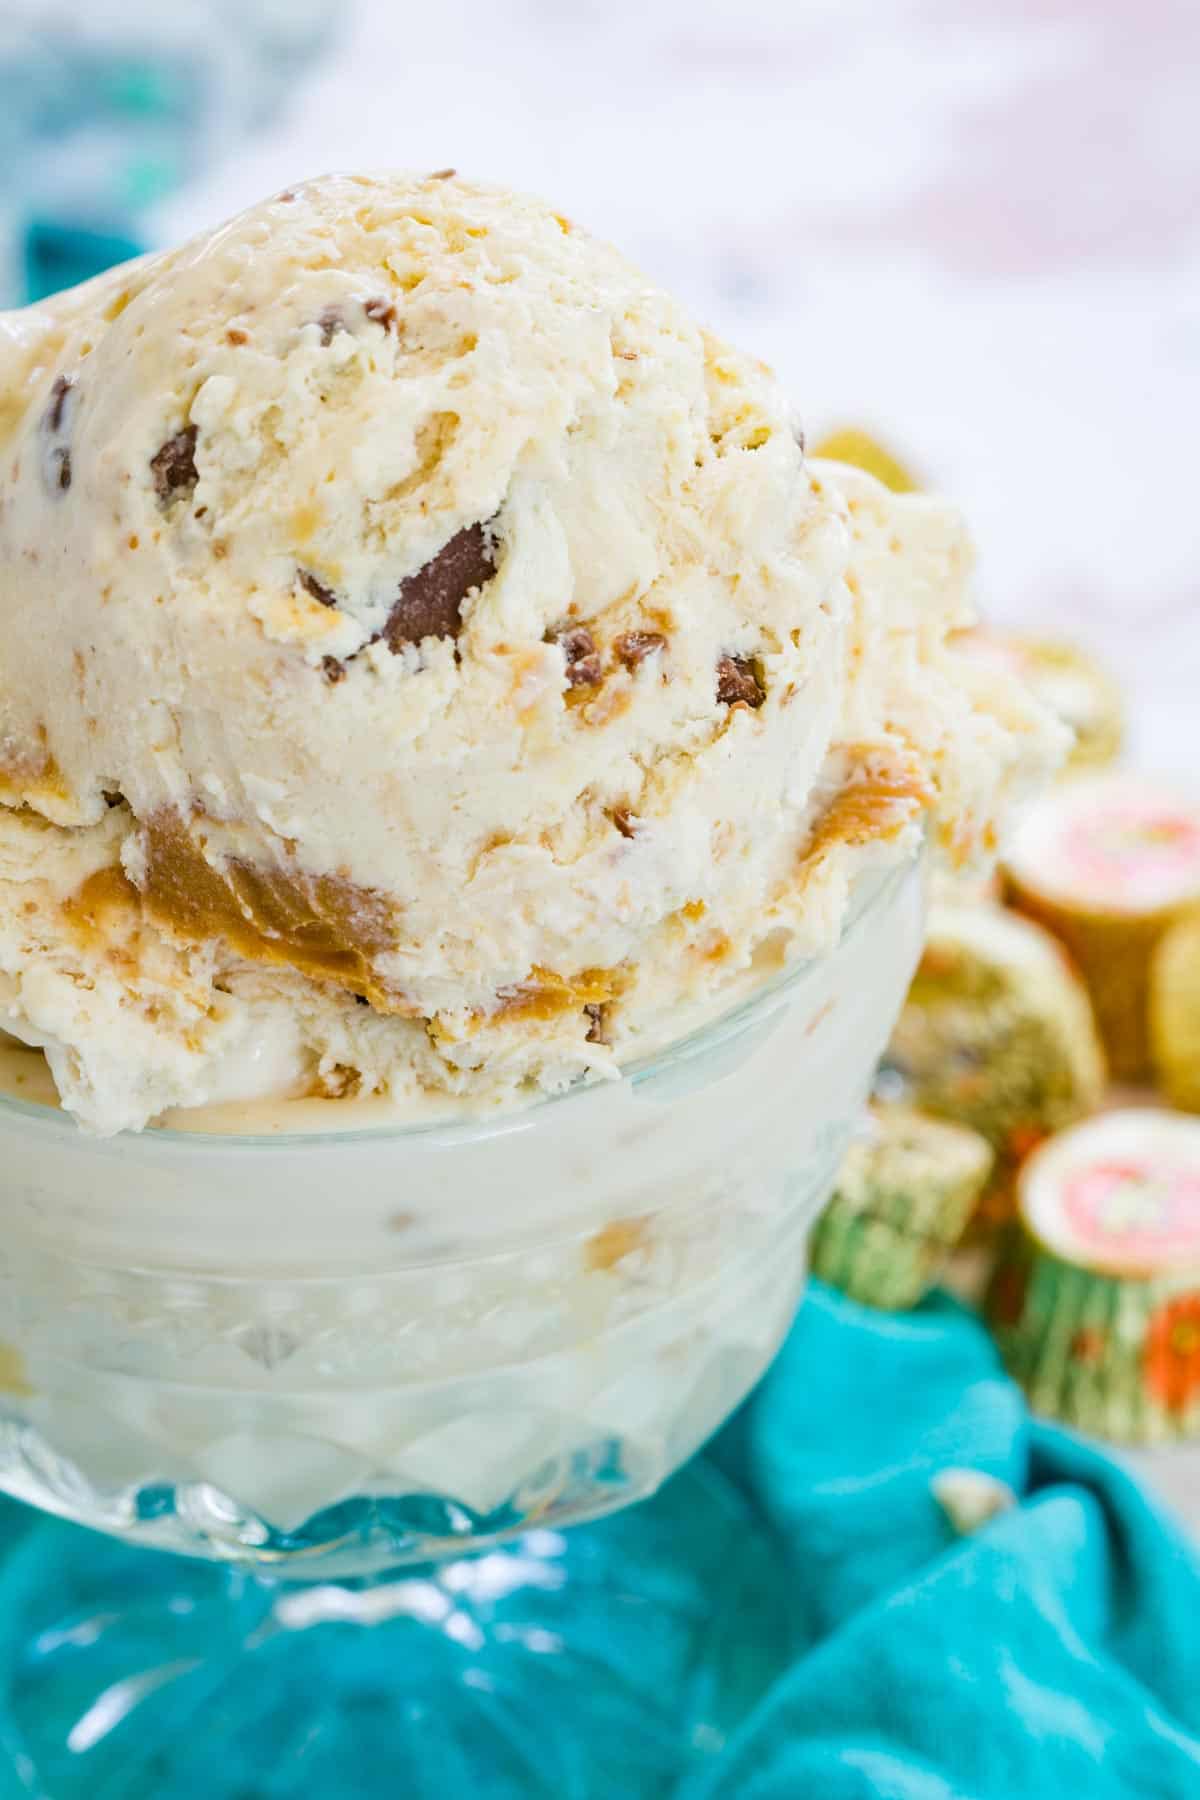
(1052, 1651)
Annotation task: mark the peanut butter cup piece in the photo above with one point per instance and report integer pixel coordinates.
(596, 1031)
(174, 466)
(633, 647)
(580, 653)
(738, 682)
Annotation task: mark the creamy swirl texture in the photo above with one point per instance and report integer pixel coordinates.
(431, 667)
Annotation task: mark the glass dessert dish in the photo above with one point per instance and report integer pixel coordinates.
(317, 1358)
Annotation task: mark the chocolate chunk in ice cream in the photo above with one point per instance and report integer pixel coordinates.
(582, 657)
(56, 464)
(330, 321)
(318, 590)
(174, 466)
(633, 647)
(429, 603)
(57, 409)
(381, 311)
(738, 682)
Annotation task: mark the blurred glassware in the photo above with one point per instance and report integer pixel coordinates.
(103, 114)
(431, 1347)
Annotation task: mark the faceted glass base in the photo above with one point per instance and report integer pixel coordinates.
(597, 1664)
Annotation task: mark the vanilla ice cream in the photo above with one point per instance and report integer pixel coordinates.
(431, 669)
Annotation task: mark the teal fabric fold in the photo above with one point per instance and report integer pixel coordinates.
(1054, 1650)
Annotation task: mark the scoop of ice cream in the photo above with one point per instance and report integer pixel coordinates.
(403, 559)
(412, 604)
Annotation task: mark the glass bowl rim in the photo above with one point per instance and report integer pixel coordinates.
(875, 886)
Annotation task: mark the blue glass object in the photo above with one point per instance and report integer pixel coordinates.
(598, 1664)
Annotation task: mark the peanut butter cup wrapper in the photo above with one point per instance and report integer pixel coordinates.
(1108, 863)
(1175, 1012)
(852, 445)
(905, 1191)
(1095, 1300)
(1077, 688)
(996, 1035)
